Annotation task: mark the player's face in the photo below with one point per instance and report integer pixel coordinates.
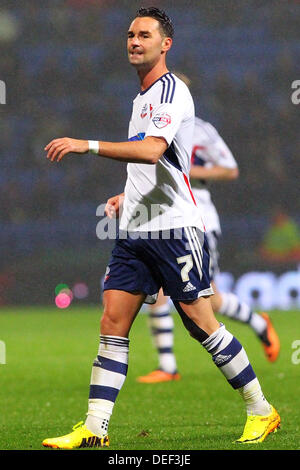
(145, 43)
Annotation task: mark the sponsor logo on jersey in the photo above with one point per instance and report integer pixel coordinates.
(144, 111)
(161, 120)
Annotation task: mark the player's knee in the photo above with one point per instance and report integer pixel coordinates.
(110, 322)
(194, 330)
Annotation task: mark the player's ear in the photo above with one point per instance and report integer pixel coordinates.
(166, 44)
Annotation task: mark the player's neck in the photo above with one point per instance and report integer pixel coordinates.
(148, 77)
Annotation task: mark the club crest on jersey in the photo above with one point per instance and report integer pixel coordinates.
(161, 120)
(144, 111)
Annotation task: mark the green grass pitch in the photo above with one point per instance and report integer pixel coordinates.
(45, 382)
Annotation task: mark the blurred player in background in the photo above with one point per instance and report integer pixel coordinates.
(165, 249)
(212, 160)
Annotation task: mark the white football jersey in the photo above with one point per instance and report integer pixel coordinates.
(159, 197)
(209, 149)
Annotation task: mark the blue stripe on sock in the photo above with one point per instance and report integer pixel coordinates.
(123, 342)
(159, 315)
(111, 365)
(250, 317)
(237, 312)
(104, 393)
(158, 331)
(243, 378)
(211, 351)
(165, 350)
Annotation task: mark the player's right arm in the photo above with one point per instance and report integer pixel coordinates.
(147, 151)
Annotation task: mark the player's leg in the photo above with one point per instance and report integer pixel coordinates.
(228, 304)
(119, 311)
(190, 295)
(162, 330)
(110, 366)
(108, 372)
(231, 358)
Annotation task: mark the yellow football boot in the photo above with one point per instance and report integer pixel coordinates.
(79, 437)
(258, 427)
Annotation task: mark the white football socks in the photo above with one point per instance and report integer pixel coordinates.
(256, 404)
(162, 326)
(231, 307)
(231, 358)
(107, 378)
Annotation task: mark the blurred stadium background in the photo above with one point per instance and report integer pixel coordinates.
(65, 68)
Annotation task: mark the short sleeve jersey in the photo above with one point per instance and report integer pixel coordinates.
(209, 149)
(159, 196)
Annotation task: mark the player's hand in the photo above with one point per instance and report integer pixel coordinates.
(113, 206)
(58, 148)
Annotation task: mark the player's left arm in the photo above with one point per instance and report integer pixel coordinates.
(223, 165)
(147, 151)
(216, 173)
(114, 205)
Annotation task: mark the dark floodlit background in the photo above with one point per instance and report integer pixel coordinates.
(64, 64)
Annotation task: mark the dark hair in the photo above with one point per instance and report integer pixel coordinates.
(165, 23)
